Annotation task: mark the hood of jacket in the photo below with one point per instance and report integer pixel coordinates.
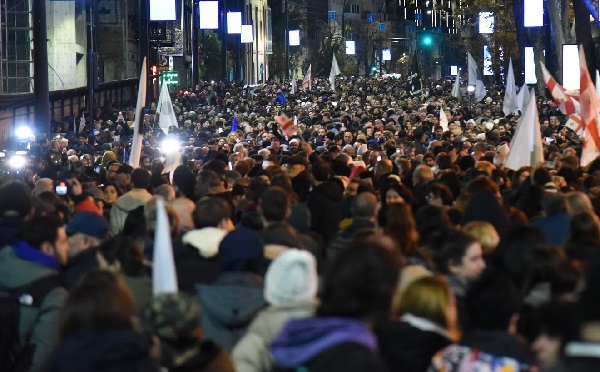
(205, 240)
(16, 272)
(301, 340)
(133, 199)
(233, 300)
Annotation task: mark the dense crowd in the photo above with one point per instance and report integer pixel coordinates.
(371, 239)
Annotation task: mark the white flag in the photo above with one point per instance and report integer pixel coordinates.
(294, 85)
(164, 279)
(526, 146)
(456, 86)
(335, 70)
(510, 95)
(138, 138)
(443, 119)
(165, 110)
(475, 79)
(306, 83)
(523, 98)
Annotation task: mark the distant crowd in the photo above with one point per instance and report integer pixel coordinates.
(370, 237)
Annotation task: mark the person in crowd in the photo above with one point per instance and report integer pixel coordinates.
(356, 292)
(138, 196)
(173, 320)
(86, 232)
(97, 329)
(325, 202)
(424, 322)
(290, 289)
(364, 215)
(32, 265)
(492, 304)
(197, 259)
(230, 302)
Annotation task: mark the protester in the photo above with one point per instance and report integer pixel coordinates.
(97, 329)
(31, 266)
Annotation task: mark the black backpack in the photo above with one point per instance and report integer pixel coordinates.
(15, 357)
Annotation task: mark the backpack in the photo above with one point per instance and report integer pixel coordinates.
(15, 357)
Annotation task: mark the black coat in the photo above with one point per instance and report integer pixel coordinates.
(118, 350)
(405, 348)
(325, 204)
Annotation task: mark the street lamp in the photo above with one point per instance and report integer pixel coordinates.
(470, 90)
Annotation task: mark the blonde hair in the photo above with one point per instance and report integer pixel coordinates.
(485, 233)
(429, 297)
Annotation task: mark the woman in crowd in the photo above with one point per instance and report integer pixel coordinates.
(356, 293)
(424, 322)
(97, 330)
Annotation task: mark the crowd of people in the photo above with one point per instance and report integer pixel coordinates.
(371, 239)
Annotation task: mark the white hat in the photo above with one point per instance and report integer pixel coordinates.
(291, 279)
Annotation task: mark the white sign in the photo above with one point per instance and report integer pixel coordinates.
(294, 37)
(247, 34)
(533, 14)
(209, 15)
(570, 64)
(234, 22)
(486, 22)
(530, 77)
(350, 47)
(162, 10)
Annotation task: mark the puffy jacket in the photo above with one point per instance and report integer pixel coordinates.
(125, 204)
(37, 326)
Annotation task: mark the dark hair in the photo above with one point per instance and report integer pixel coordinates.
(515, 253)
(321, 171)
(492, 301)
(441, 191)
(100, 302)
(209, 212)
(215, 165)
(140, 178)
(584, 229)
(125, 250)
(117, 187)
(559, 319)
(207, 179)
(40, 229)
(361, 282)
(431, 220)
(275, 204)
(400, 225)
(15, 198)
(449, 249)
